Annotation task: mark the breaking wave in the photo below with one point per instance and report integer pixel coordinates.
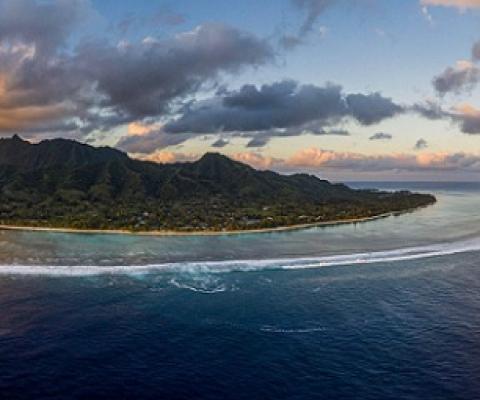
(402, 254)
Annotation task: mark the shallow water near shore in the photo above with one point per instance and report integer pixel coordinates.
(385, 309)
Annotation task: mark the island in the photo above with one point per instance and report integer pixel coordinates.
(66, 185)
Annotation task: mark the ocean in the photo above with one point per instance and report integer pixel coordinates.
(386, 309)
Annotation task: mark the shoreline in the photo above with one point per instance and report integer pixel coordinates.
(287, 228)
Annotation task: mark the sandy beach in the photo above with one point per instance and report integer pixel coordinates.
(197, 233)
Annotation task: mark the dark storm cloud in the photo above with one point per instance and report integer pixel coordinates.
(142, 79)
(39, 81)
(45, 24)
(280, 109)
(98, 85)
(282, 105)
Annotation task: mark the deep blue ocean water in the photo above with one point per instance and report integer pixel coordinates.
(380, 310)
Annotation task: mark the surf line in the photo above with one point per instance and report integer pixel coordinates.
(195, 267)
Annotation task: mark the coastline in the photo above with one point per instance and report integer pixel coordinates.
(287, 228)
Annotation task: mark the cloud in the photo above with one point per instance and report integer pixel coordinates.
(258, 141)
(427, 15)
(372, 108)
(430, 110)
(142, 79)
(257, 160)
(150, 142)
(142, 128)
(431, 161)
(460, 4)
(320, 161)
(314, 158)
(220, 143)
(476, 51)
(102, 85)
(46, 25)
(465, 115)
(464, 76)
(328, 162)
(335, 132)
(282, 104)
(381, 136)
(469, 118)
(421, 144)
(312, 9)
(169, 157)
(164, 16)
(31, 118)
(38, 84)
(281, 109)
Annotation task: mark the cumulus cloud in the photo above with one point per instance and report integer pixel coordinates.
(321, 161)
(37, 83)
(421, 144)
(142, 79)
(381, 136)
(47, 25)
(372, 108)
(464, 76)
(169, 157)
(469, 118)
(281, 109)
(46, 80)
(257, 160)
(430, 110)
(465, 115)
(314, 158)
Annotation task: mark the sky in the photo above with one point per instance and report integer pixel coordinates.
(344, 89)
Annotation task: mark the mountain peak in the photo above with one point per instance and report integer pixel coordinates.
(22, 154)
(14, 139)
(213, 156)
(17, 138)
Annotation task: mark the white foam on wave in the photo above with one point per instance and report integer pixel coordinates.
(199, 287)
(402, 254)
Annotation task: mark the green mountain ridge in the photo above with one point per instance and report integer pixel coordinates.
(63, 183)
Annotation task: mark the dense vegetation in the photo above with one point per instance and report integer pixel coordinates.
(62, 183)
